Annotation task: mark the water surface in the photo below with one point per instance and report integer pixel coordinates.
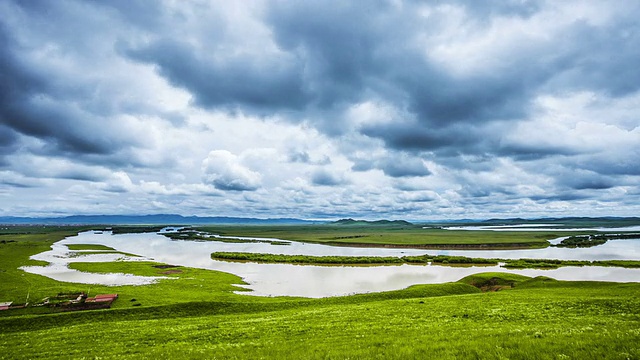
(322, 281)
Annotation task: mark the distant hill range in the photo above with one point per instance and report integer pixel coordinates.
(161, 219)
(172, 219)
(377, 222)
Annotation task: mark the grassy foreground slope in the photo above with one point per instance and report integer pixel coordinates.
(537, 319)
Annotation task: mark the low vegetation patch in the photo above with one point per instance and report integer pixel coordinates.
(132, 229)
(421, 259)
(582, 241)
(189, 234)
(585, 241)
(347, 260)
(76, 247)
(494, 281)
(90, 252)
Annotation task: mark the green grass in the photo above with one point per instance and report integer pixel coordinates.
(188, 234)
(89, 252)
(19, 244)
(347, 260)
(196, 315)
(184, 284)
(393, 236)
(421, 259)
(76, 247)
(537, 319)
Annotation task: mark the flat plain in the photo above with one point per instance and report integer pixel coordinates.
(203, 314)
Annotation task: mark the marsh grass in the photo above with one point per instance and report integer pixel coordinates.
(417, 260)
(89, 252)
(77, 247)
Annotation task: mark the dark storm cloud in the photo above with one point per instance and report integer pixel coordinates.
(564, 196)
(622, 161)
(234, 83)
(414, 137)
(79, 175)
(299, 157)
(355, 59)
(405, 168)
(324, 60)
(439, 96)
(602, 58)
(485, 10)
(335, 54)
(8, 140)
(337, 41)
(525, 152)
(61, 111)
(357, 49)
(325, 178)
(17, 184)
(471, 190)
(232, 185)
(148, 14)
(595, 183)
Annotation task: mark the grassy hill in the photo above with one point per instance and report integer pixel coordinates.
(535, 319)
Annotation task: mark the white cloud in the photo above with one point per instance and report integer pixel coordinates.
(223, 170)
(454, 110)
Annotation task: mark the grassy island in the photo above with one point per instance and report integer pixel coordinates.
(421, 259)
(394, 235)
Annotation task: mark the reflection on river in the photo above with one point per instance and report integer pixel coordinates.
(540, 227)
(320, 281)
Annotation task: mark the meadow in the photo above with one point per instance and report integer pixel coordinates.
(392, 235)
(199, 314)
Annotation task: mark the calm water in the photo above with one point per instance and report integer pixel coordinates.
(538, 227)
(321, 281)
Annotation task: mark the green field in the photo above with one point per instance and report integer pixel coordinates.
(393, 236)
(196, 314)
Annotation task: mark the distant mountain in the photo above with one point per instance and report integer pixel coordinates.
(160, 219)
(377, 222)
(173, 219)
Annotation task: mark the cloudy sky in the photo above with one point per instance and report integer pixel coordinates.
(320, 109)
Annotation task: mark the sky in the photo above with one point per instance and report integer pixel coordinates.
(320, 109)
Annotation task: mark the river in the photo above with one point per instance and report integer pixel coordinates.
(319, 281)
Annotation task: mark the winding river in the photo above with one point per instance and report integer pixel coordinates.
(318, 281)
